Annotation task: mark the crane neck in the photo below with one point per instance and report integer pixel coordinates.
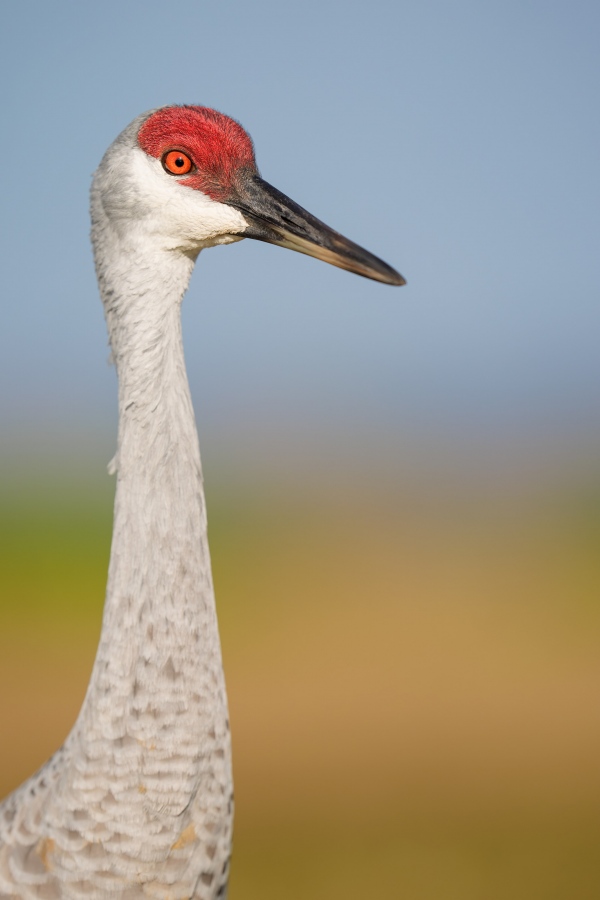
(156, 707)
(156, 419)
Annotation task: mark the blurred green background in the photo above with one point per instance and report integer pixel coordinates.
(412, 665)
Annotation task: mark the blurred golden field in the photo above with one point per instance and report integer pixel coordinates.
(414, 677)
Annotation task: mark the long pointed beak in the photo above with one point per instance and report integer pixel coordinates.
(274, 218)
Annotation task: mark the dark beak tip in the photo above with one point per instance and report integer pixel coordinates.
(387, 275)
(399, 280)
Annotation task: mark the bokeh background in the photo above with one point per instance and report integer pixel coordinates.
(403, 485)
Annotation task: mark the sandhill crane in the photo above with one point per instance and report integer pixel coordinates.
(138, 801)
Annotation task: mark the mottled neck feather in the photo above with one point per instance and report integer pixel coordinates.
(153, 732)
(160, 604)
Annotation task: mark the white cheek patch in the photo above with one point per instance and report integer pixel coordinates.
(184, 217)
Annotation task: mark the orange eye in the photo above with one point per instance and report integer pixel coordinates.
(176, 163)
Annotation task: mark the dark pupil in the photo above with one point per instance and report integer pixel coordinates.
(179, 162)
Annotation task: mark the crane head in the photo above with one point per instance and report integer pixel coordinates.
(198, 165)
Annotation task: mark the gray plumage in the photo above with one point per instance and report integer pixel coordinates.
(138, 801)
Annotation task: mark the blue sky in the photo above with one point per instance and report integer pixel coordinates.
(458, 141)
